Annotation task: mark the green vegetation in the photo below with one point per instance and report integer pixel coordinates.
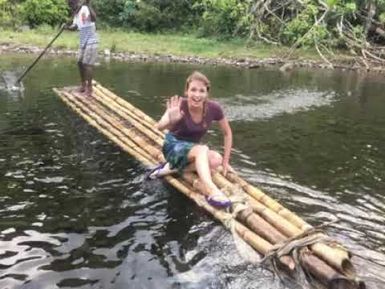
(175, 44)
(38, 12)
(356, 26)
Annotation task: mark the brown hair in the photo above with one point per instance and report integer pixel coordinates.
(196, 75)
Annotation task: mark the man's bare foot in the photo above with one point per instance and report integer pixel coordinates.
(80, 89)
(88, 93)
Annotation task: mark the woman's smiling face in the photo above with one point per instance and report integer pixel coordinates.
(196, 93)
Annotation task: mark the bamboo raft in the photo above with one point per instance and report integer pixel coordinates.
(270, 229)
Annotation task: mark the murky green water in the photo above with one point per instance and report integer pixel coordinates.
(74, 212)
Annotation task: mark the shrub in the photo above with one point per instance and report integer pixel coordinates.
(51, 12)
(147, 15)
(225, 17)
(9, 14)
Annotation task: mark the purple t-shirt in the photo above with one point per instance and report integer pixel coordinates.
(187, 129)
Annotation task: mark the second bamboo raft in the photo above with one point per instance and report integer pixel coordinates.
(263, 223)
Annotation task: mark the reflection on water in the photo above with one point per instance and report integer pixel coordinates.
(74, 212)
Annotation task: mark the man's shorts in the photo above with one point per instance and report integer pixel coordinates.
(89, 54)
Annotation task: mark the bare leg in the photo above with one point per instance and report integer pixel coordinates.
(88, 69)
(82, 77)
(215, 160)
(199, 155)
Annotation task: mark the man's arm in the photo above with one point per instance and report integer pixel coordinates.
(92, 13)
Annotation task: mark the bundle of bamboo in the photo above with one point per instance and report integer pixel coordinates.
(263, 223)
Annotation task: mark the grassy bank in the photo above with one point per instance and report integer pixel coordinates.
(179, 45)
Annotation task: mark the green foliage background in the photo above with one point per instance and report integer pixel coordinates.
(295, 23)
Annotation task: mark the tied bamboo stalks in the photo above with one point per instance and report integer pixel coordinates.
(336, 257)
(132, 113)
(339, 259)
(99, 121)
(256, 223)
(123, 114)
(106, 125)
(130, 109)
(95, 123)
(282, 225)
(135, 115)
(134, 132)
(265, 206)
(269, 202)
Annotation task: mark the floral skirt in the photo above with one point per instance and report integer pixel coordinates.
(176, 151)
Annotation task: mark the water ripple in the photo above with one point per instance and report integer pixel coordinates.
(287, 101)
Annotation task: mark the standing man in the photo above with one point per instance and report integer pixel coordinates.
(84, 20)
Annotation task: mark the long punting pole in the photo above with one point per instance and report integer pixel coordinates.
(40, 55)
(263, 225)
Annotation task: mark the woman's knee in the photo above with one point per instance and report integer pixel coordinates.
(215, 160)
(198, 150)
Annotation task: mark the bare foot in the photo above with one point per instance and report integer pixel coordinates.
(88, 93)
(81, 89)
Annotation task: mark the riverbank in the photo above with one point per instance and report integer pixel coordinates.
(129, 46)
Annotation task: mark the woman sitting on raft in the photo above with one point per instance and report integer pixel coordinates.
(188, 120)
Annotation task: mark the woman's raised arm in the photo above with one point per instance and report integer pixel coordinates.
(172, 115)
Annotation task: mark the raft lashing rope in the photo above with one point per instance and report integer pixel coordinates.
(292, 246)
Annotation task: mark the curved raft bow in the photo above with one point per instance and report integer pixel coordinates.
(273, 231)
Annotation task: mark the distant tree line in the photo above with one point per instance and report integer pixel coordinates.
(325, 24)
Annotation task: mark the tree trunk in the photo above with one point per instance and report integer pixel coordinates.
(371, 8)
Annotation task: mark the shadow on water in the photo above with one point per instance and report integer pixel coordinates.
(75, 213)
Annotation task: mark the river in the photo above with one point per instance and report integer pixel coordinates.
(76, 213)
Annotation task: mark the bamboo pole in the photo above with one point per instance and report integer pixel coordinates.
(327, 275)
(269, 202)
(123, 131)
(281, 224)
(245, 215)
(130, 109)
(337, 258)
(99, 122)
(119, 110)
(95, 123)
